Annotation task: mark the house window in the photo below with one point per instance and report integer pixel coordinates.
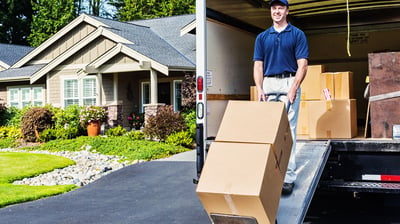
(25, 96)
(82, 92)
(70, 92)
(145, 94)
(89, 91)
(177, 95)
(164, 94)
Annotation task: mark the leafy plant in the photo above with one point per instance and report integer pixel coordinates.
(182, 138)
(164, 123)
(11, 116)
(34, 121)
(190, 121)
(92, 113)
(136, 120)
(189, 92)
(58, 133)
(135, 135)
(117, 131)
(10, 132)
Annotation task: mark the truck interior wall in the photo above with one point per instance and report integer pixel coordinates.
(330, 49)
(229, 67)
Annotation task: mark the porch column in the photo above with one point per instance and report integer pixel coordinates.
(115, 87)
(153, 87)
(100, 88)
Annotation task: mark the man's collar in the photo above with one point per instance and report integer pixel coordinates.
(287, 29)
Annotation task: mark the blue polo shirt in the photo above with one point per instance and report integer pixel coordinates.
(280, 51)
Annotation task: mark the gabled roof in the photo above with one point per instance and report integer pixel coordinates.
(156, 40)
(11, 53)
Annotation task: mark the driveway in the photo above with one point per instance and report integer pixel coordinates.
(152, 192)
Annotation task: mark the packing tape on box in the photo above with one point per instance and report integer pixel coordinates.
(231, 204)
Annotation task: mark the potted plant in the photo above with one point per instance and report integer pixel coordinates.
(136, 120)
(92, 117)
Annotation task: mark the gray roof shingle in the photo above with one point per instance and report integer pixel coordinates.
(159, 39)
(11, 53)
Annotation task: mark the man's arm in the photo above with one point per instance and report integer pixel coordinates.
(258, 79)
(300, 75)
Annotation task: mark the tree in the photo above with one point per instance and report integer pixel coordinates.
(49, 17)
(128, 10)
(15, 19)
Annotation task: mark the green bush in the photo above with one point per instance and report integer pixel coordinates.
(182, 138)
(135, 135)
(190, 121)
(34, 121)
(117, 131)
(10, 132)
(164, 123)
(11, 116)
(58, 133)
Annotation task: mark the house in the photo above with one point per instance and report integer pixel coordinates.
(10, 54)
(124, 66)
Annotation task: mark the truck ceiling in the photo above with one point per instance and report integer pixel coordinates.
(310, 15)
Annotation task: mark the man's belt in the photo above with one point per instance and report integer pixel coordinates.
(282, 75)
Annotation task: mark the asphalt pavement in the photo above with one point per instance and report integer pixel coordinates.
(159, 191)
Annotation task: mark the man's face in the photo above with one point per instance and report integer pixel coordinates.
(279, 12)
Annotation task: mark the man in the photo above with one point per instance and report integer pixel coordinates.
(280, 65)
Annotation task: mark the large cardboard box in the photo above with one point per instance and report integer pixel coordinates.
(340, 85)
(255, 122)
(302, 122)
(241, 179)
(310, 86)
(332, 119)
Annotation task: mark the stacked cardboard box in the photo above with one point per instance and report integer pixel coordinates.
(245, 166)
(327, 107)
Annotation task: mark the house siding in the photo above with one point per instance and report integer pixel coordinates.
(92, 51)
(66, 42)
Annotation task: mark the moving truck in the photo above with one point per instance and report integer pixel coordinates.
(342, 36)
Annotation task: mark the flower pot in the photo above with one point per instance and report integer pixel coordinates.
(93, 128)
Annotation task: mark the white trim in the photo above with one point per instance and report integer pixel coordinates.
(57, 36)
(75, 48)
(4, 65)
(188, 28)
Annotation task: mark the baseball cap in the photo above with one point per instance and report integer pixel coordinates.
(284, 2)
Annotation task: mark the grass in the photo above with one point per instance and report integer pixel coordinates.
(18, 165)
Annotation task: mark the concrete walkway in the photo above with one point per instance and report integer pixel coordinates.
(152, 192)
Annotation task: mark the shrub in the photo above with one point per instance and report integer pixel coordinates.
(190, 121)
(117, 131)
(34, 121)
(182, 138)
(11, 116)
(58, 133)
(135, 135)
(164, 123)
(10, 132)
(189, 91)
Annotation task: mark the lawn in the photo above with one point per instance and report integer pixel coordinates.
(18, 165)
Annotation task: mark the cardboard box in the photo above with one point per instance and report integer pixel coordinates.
(241, 179)
(340, 85)
(311, 81)
(255, 122)
(253, 93)
(332, 119)
(302, 122)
